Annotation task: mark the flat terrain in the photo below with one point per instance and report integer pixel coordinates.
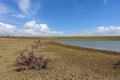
(86, 38)
(68, 63)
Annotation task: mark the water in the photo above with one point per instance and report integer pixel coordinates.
(95, 44)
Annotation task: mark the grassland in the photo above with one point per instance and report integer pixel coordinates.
(85, 38)
(68, 62)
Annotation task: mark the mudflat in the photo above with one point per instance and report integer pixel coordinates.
(68, 62)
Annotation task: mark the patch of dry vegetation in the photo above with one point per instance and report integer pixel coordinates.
(117, 64)
(31, 59)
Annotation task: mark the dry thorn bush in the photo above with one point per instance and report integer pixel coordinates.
(31, 59)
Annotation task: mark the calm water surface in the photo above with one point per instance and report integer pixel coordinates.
(96, 44)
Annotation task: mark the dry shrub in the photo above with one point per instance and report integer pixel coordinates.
(31, 59)
(117, 64)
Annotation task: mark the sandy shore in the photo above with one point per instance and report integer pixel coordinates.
(68, 62)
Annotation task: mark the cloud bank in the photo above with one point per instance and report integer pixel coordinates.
(30, 28)
(103, 31)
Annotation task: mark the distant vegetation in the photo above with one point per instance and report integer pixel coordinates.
(87, 37)
(69, 37)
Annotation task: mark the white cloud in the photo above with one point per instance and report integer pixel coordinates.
(24, 5)
(44, 28)
(30, 24)
(3, 9)
(108, 29)
(30, 28)
(19, 16)
(39, 29)
(104, 31)
(6, 29)
(29, 7)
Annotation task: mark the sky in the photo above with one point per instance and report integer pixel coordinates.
(59, 17)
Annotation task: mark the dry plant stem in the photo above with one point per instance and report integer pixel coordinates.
(31, 59)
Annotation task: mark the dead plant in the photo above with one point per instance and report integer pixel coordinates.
(31, 59)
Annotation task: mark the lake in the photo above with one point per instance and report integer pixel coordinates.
(95, 44)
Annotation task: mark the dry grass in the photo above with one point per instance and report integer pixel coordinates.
(117, 64)
(67, 63)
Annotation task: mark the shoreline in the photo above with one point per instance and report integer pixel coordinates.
(84, 48)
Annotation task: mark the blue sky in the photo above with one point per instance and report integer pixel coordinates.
(59, 17)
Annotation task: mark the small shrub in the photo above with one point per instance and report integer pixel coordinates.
(31, 59)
